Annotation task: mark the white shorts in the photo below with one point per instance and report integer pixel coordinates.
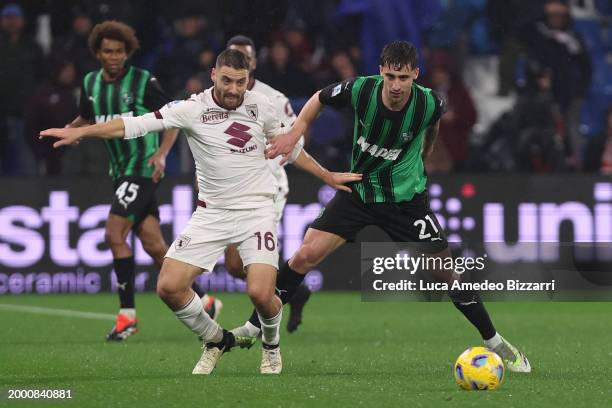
(211, 230)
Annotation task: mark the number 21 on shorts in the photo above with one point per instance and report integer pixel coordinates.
(422, 225)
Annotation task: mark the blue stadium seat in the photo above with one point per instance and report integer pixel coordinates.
(591, 34)
(593, 112)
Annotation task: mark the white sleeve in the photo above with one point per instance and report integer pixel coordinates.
(299, 146)
(272, 125)
(285, 110)
(178, 115)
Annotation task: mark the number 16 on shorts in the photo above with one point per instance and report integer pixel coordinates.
(266, 240)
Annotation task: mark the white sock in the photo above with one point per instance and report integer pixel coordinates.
(251, 329)
(194, 317)
(247, 329)
(493, 341)
(129, 312)
(270, 328)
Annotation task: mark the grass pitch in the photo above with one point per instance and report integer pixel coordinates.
(347, 353)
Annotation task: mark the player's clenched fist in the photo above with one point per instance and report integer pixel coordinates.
(283, 143)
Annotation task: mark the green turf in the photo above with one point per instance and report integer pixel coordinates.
(347, 353)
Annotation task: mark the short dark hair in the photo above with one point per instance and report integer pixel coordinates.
(241, 40)
(232, 58)
(113, 30)
(399, 54)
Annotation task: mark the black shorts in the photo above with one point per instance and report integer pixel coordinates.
(135, 199)
(409, 221)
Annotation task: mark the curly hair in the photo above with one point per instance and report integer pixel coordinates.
(113, 30)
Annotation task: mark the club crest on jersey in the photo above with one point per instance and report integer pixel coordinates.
(181, 242)
(127, 98)
(213, 117)
(251, 110)
(407, 136)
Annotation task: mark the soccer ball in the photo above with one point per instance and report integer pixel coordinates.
(479, 368)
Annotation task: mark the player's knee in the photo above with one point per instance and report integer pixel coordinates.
(108, 237)
(260, 296)
(306, 258)
(163, 290)
(156, 249)
(113, 238)
(166, 287)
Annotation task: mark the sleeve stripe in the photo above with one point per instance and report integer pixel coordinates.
(158, 115)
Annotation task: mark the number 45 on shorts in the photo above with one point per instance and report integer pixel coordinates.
(127, 193)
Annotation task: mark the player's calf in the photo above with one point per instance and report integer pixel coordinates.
(261, 279)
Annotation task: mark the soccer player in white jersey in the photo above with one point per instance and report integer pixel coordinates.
(226, 128)
(285, 113)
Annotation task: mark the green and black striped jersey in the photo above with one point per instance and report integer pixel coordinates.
(387, 145)
(135, 93)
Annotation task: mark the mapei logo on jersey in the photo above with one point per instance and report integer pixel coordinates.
(376, 151)
(213, 117)
(107, 118)
(181, 242)
(251, 110)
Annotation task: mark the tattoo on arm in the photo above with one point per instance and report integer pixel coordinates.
(430, 138)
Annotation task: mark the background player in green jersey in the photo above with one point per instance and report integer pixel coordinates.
(396, 124)
(136, 166)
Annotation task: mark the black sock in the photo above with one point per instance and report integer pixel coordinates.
(287, 283)
(124, 270)
(470, 304)
(196, 288)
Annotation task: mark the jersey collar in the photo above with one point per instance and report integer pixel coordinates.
(388, 112)
(128, 68)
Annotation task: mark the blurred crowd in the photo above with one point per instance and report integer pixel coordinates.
(528, 84)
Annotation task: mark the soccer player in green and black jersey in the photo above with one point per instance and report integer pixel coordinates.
(136, 166)
(396, 124)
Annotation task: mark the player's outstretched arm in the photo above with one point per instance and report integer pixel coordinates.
(284, 143)
(336, 180)
(177, 116)
(109, 130)
(78, 122)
